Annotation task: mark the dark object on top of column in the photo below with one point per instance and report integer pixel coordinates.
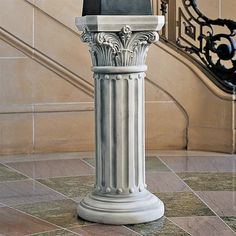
(117, 7)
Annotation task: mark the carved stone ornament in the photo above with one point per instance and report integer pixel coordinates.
(119, 46)
(123, 48)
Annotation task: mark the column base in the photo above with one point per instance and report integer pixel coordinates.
(118, 210)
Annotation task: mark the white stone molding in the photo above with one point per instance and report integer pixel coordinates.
(106, 23)
(120, 195)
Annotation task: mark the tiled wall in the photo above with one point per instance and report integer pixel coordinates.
(39, 111)
(215, 8)
(42, 112)
(209, 111)
(218, 8)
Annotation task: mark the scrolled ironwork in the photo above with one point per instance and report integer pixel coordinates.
(163, 9)
(216, 50)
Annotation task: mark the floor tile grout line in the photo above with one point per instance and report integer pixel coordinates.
(126, 227)
(35, 217)
(87, 175)
(207, 171)
(54, 191)
(30, 178)
(179, 226)
(163, 163)
(188, 153)
(75, 201)
(48, 159)
(86, 155)
(198, 196)
(37, 179)
(157, 171)
(48, 177)
(92, 224)
(30, 159)
(234, 188)
(227, 156)
(65, 176)
(13, 181)
(81, 157)
(84, 161)
(66, 229)
(71, 176)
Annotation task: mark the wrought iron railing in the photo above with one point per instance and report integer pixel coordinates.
(211, 43)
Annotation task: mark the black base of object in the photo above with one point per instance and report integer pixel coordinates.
(117, 7)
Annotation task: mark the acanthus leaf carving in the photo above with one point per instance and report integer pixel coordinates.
(124, 48)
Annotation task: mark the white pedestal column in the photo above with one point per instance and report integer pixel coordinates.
(120, 195)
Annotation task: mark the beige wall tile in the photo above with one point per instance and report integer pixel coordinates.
(209, 8)
(8, 51)
(201, 138)
(17, 18)
(228, 9)
(234, 140)
(64, 10)
(165, 126)
(234, 114)
(24, 81)
(48, 87)
(15, 81)
(16, 133)
(57, 132)
(62, 45)
(154, 93)
(210, 111)
(203, 106)
(210, 117)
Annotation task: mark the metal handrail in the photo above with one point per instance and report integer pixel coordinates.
(199, 36)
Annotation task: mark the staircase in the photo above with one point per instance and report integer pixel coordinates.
(47, 89)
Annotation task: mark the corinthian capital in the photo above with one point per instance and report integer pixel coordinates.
(123, 48)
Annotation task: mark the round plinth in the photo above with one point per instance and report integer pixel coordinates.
(119, 210)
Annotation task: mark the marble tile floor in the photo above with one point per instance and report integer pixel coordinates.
(39, 194)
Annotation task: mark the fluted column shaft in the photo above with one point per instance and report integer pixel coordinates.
(119, 102)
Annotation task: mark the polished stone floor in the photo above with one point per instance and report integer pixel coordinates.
(39, 194)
